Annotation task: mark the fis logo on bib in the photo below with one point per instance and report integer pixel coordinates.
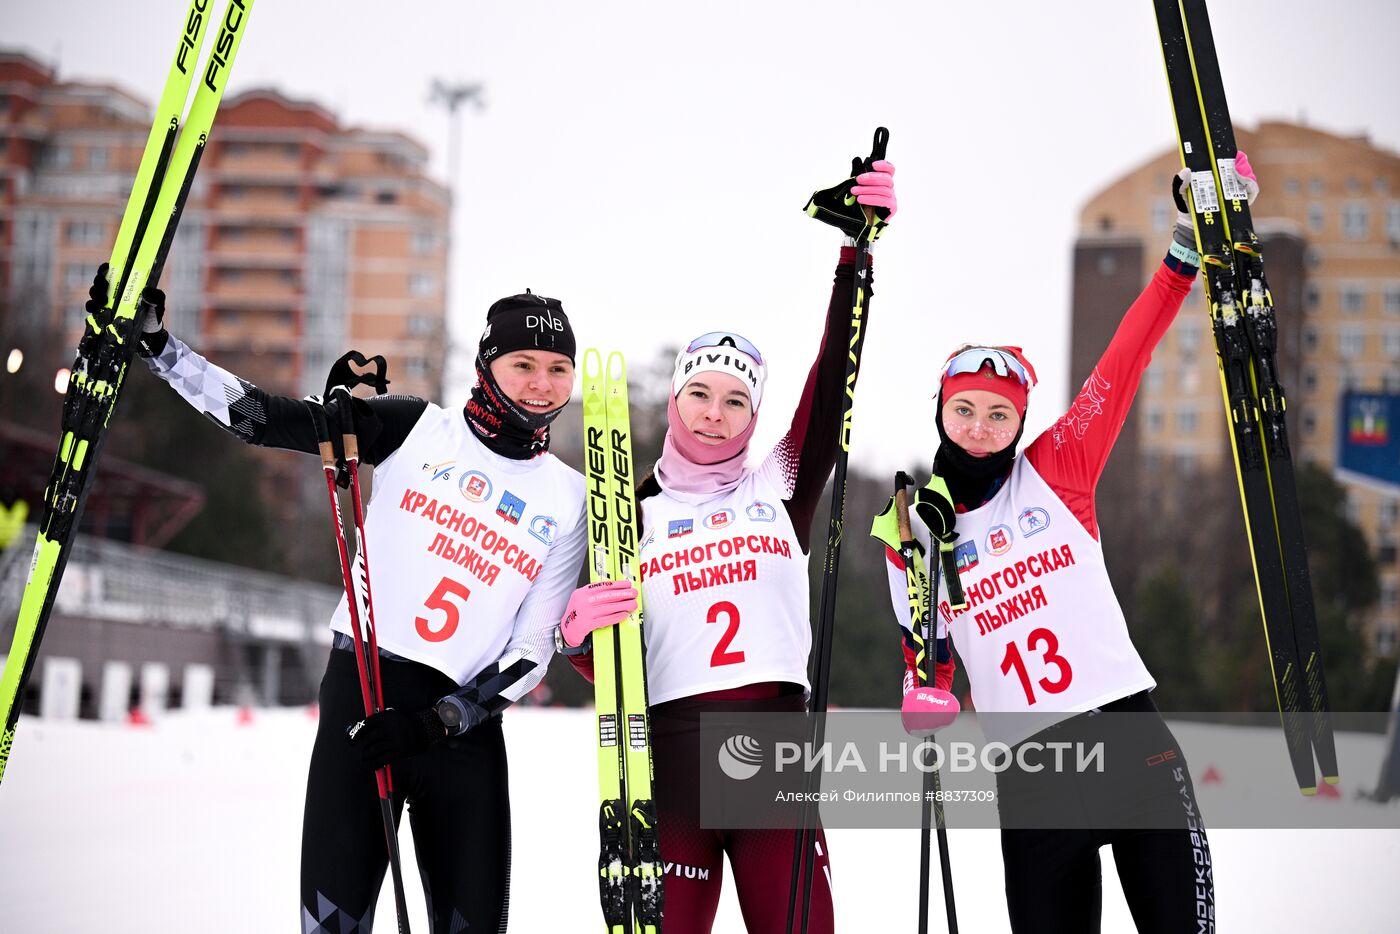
(999, 540)
(545, 528)
(511, 508)
(1033, 520)
(475, 486)
(965, 556)
(441, 471)
(679, 527)
(761, 512)
(720, 520)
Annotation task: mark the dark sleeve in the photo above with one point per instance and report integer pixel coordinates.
(807, 453)
(258, 417)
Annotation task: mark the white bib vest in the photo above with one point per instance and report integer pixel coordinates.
(724, 585)
(1043, 634)
(457, 534)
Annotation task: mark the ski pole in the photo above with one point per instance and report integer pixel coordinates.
(921, 613)
(370, 692)
(805, 840)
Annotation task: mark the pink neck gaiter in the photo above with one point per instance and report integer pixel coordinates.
(689, 465)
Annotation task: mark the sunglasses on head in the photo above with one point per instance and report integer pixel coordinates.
(1002, 362)
(726, 339)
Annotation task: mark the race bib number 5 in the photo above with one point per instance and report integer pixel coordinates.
(447, 598)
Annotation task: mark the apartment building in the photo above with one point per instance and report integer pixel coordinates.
(1329, 219)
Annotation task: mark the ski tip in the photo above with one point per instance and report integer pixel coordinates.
(617, 366)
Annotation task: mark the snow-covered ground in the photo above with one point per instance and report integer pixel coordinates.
(194, 825)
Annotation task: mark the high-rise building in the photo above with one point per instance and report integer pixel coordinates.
(1329, 220)
(301, 237)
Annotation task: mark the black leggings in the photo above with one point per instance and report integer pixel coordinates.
(458, 804)
(1144, 806)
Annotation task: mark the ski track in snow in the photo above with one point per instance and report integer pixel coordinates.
(195, 824)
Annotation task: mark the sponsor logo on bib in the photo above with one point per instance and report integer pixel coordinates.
(965, 556)
(720, 520)
(679, 527)
(545, 528)
(510, 508)
(761, 512)
(1033, 520)
(999, 539)
(475, 486)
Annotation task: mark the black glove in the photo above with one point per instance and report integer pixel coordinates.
(392, 734)
(150, 313)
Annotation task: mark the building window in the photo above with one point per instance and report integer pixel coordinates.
(1355, 220)
(386, 197)
(416, 368)
(84, 233)
(1392, 343)
(1353, 186)
(1385, 640)
(1348, 379)
(76, 275)
(1317, 217)
(1390, 300)
(421, 284)
(1309, 423)
(1389, 512)
(1163, 215)
(1107, 264)
(1351, 342)
(1186, 419)
(1185, 463)
(1317, 186)
(1390, 381)
(421, 325)
(1353, 298)
(1309, 380)
(1312, 297)
(1155, 420)
(1392, 220)
(1291, 186)
(1382, 185)
(1188, 338)
(423, 242)
(1154, 379)
(1390, 596)
(97, 158)
(233, 192)
(1310, 338)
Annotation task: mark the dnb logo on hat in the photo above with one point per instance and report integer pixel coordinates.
(679, 527)
(999, 539)
(475, 486)
(720, 520)
(510, 508)
(1033, 520)
(545, 528)
(965, 556)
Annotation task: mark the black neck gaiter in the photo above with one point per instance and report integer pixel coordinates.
(502, 425)
(971, 480)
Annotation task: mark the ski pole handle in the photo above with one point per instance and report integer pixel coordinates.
(323, 433)
(877, 152)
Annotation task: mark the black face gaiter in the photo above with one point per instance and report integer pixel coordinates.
(971, 479)
(503, 426)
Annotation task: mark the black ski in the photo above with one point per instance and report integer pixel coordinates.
(1245, 330)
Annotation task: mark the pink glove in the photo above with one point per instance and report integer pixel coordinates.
(1246, 173)
(927, 709)
(596, 606)
(875, 188)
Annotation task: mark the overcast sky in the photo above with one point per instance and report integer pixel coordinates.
(646, 162)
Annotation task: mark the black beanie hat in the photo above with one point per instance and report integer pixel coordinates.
(526, 322)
